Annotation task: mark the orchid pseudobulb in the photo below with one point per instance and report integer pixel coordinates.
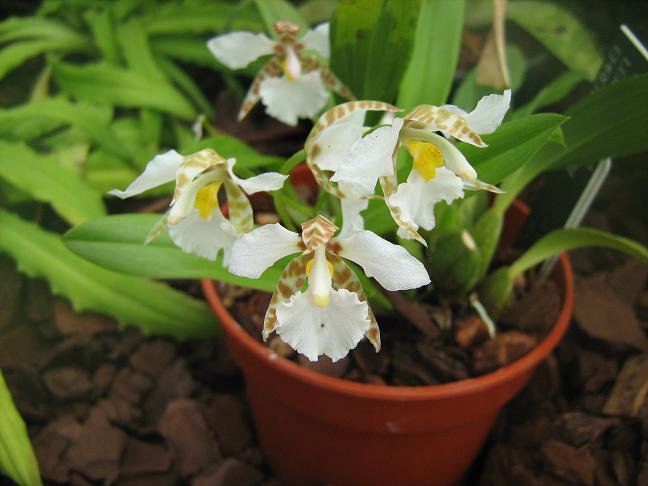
(292, 84)
(194, 220)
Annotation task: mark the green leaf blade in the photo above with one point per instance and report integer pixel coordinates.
(435, 54)
(43, 178)
(117, 243)
(152, 306)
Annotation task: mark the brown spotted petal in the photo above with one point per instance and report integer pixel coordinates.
(290, 282)
(193, 165)
(438, 118)
(240, 209)
(317, 232)
(271, 69)
(345, 278)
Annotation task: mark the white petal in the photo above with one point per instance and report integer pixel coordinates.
(238, 49)
(257, 250)
(204, 237)
(391, 265)
(160, 170)
(416, 198)
(453, 158)
(370, 157)
(352, 221)
(489, 112)
(332, 330)
(336, 140)
(318, 40)
(289, 100)
(270, 181)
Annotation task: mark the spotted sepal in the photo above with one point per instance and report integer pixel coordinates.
(339, 112)
(389, 186)
(328, 78)
(195, 164)
(290, 282)
(345, 278)
(157, 229)
(317, 232)
(240, 209)
(436, 118)
(331, 116)
(271, 69)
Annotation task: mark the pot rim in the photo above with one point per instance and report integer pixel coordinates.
(399, 393)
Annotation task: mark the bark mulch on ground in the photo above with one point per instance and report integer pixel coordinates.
(109, 406)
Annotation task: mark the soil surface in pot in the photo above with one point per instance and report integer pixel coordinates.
(422, 343)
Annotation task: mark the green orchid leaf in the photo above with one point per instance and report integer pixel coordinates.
(15, 55)
(571, 238)
(552, 93)
(151, 306)
(211, 17)
(17, 459)
(274, 10)
(435, 55)
(186, 84)
(511, 145)
(371, 43)
(560, 32)
(104, 171)
(102, 26)
(597, 128)
(46, 180)
(230, 146)
(29, 121)
(134, 45)
(496, 290)
(117, 243)
(22, 28)
(105, 84)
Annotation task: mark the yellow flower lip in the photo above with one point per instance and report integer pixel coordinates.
(427, 158)
(207, 199)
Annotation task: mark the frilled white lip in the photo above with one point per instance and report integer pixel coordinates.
(287, 100)
(332, 330)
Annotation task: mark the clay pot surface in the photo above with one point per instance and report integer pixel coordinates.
(317, 429)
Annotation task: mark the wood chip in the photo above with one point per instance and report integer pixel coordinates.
(630, 388)
(603, 315)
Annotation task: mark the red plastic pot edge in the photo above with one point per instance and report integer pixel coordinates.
(394, 393)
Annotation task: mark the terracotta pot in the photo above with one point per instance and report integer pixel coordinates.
(317, 429)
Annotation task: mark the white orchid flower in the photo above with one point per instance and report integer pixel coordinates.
(292, 84)
(194, 220)
(440, 172)
(331, 315)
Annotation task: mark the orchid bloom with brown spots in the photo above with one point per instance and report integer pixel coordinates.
(359, 157)
(292, 84)
(332, 314)
(194, 220)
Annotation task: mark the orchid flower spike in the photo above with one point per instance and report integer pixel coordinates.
(194, 220)
(339, 143)
(291, 84)
(332, 314)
